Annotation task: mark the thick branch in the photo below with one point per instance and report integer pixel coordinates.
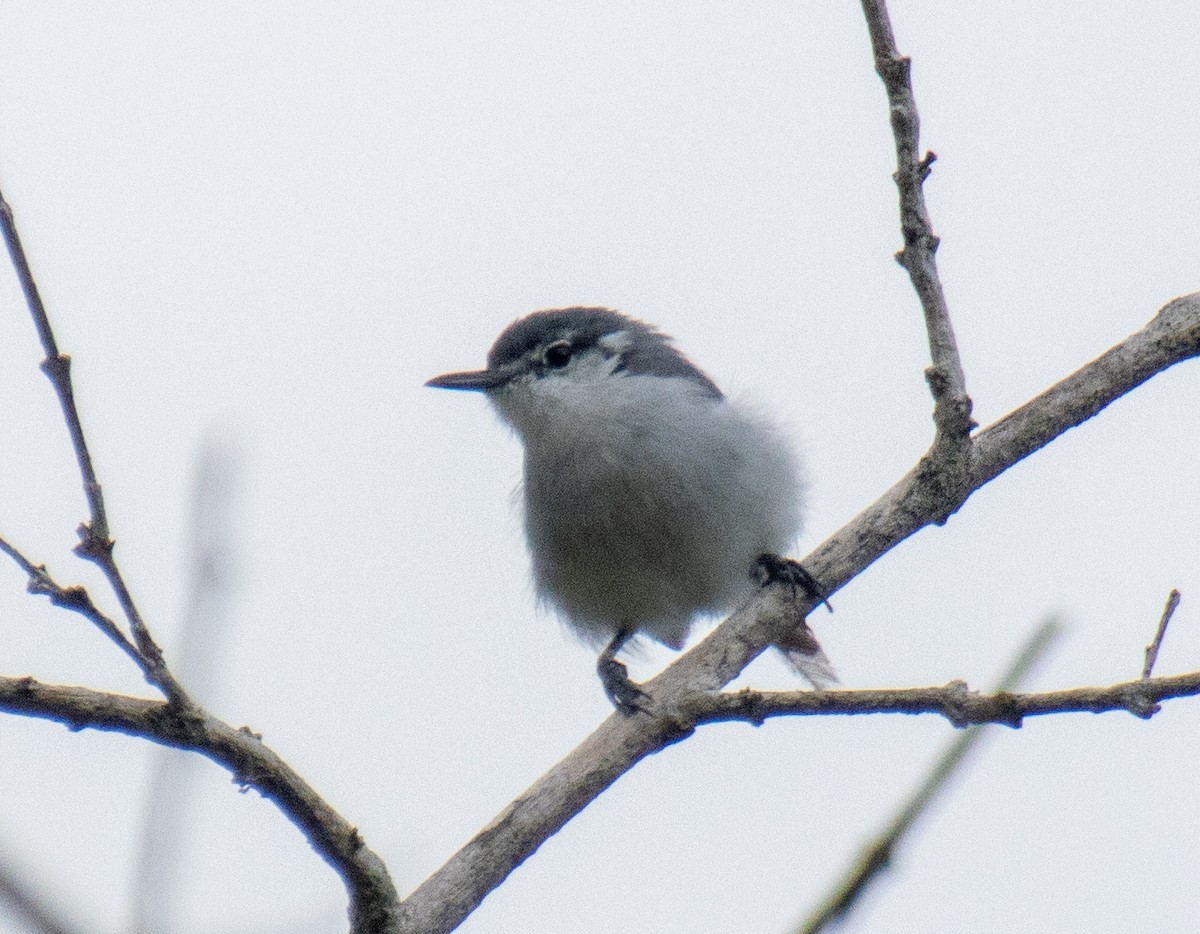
(917, 500)
(1171, 336)
(920, 498)
(372, 896)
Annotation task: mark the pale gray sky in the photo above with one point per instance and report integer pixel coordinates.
(270, 223)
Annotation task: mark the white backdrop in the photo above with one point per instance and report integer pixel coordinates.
(267, 224)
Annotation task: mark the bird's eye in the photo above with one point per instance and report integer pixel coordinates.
(557, 355)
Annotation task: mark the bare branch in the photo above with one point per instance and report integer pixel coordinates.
(373, 901)
(455, 890)
(179, 722)
(877, 855)
(921, 498)
(57, 367)
(682, 691)
(95, 543)
(76, 599)
(952, 405)
(941, 482)
(1156, 643)
(961, 706)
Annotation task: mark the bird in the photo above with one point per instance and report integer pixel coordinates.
(650, 498)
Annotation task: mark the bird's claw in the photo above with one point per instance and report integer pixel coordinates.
(626, 696)
(774, 569)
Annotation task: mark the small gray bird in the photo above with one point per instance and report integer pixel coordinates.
(650, 498)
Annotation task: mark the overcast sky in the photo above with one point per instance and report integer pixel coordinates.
(263, 226)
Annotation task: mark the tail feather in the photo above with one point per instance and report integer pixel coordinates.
(808, 659)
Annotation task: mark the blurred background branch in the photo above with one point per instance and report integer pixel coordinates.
(211, 577)
(877, 856)
(30, 903)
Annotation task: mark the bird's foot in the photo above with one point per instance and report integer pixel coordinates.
(626, 696)
(774, 569)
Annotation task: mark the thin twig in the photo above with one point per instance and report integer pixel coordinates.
(57, 367)
(178, 722)
(877, 856)
(76, 599)
(1156, 644)
(952, 405)
(95, 542)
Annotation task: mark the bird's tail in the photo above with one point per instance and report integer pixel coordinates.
(804, 653)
